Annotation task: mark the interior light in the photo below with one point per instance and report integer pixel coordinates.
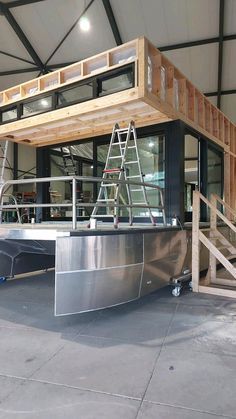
(44, 102)
(84, 24)
(91, 167)
(151, 144)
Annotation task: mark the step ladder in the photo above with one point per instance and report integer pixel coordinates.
(3, 162)
(122, 163)
(69, 163)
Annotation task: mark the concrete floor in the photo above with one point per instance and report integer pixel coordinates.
(159, 357)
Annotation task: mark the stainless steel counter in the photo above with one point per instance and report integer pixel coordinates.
(97, 268)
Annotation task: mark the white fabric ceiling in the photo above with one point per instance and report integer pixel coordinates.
(164, 22)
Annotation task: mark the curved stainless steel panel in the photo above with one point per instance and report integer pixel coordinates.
(164, 257)
(91, 290)
(96, 252)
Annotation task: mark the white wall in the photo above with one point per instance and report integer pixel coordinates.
(26, 162)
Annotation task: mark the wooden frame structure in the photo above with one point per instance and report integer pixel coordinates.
(221, 249)
(160, 93)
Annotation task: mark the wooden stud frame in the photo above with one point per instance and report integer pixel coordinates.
(161, 93)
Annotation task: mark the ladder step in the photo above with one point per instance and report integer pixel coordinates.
(115, 157)
(124, 130)
(131, 146)
(132, 162)
(107, 185)
(131, 177)
(111, 170)
(102, 216)
(105, 200)
(119, 143)
(136, 190)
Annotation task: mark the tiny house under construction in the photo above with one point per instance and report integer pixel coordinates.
(184, 143)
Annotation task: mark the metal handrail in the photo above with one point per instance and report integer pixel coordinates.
(74, 204)
(15, 204)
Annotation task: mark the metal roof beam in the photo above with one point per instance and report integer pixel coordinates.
(16, 57)
(17, 29)
(18, 71)
(223, 92)
(69, 31)
(17, 3)
(220, 53)
(112, 21)
(197, 43)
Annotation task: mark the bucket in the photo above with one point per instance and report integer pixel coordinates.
(93, 223)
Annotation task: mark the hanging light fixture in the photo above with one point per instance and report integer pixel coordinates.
(84, 22)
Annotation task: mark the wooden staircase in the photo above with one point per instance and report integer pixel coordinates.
(221, 274)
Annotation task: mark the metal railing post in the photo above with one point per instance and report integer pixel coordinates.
(74, 202)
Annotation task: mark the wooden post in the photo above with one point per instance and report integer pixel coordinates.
(156, 72)
(191, 102)
(221, 127)
(213, 227)
(195, 241)
(213, 217)
(142, 66)
(170, 85)
(201, 111)
(215, 115)
(182, 96)
(227, 181)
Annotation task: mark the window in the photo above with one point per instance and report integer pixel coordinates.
(214, 172)
(116, 82)
(9, 115)
(76, 94)
(191, 171)
(152, 159)
(36, 106)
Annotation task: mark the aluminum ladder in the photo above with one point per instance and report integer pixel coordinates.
(119, 164)
(69, 163)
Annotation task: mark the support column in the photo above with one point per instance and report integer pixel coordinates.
(174, 199)
(43, 169)
(15, 165)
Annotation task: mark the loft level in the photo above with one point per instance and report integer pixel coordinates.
(133, 81)
(79, 71)
(77, 92)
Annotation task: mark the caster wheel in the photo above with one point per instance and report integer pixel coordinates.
(190, 285)
(176, 291)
